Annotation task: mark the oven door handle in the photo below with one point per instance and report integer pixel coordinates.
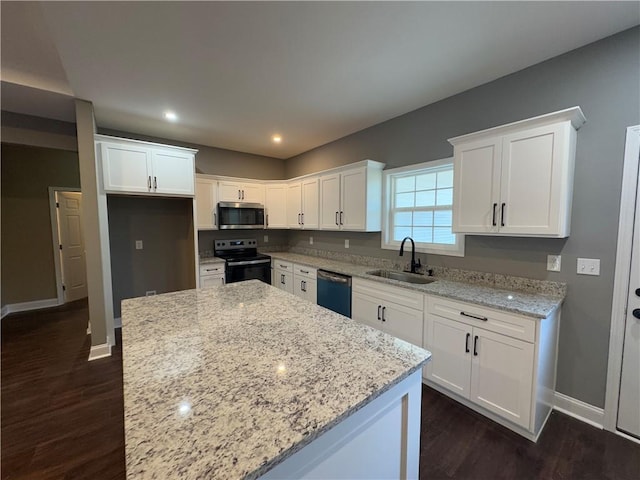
(248, 262)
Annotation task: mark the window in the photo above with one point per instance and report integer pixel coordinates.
(418, 203)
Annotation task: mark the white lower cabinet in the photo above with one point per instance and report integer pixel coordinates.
(282, 275)
(503, 363)
(305, 283)
(212, 275)
(393, 310)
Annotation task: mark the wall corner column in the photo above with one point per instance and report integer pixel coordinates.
(96, 235)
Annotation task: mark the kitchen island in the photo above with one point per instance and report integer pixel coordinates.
(247, 381)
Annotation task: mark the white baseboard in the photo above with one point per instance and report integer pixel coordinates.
(580, 410)
(99, 351)
(27, 306)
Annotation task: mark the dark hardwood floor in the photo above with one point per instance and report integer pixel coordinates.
(62, 418)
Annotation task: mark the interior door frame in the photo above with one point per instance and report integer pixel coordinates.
(630, 185)
(55, 236)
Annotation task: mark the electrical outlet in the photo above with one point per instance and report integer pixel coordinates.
(554, 263)
(588, 266)
(310, 240)
(150, 293)
(266, 239)
(138, 244)
(346, 243)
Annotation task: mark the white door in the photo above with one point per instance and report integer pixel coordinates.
(252, 193)
(206, 201)
(230, 192)
(276, 206)
(530, 184)
(306, 288)
(629, 400)
(330, 202)
(294, 205)
(126, 169)
(450, 346)
(354, 198)
(173, 172)
(402, 322)
(283, 280)
(502, 375)
(476, 176)
(211, 281)
(366, 309)
(72, 255)
(310, 204)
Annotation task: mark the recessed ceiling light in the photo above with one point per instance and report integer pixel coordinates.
(171, 116)
(276, 139)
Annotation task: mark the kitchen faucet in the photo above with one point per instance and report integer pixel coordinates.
(414, 264)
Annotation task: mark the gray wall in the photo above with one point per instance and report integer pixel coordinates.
(277, 239)
(603, 79)
(28, 269)
(218, 161)
(38, 132)
(166, 263)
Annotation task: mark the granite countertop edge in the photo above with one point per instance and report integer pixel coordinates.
(533, 305)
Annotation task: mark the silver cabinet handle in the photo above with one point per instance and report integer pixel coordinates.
(149, 183)
(302, 218)
(383, 309)
(242, 194)
(341, 218)
(155, 183)
(267, 224)
(282, 279)
(303, 286)
(336, 218)
(502, 214)
(299, 219)
(215, 219)
(304, 271)
(379, 307)
(239, 198)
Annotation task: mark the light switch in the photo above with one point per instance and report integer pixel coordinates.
(554, 263)
(589, 266)
(346, 243)
(266, 239)
(138, 244)
(310, 240)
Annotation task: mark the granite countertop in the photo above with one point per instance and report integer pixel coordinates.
(535, 305)
(210, 260)
(227, 382)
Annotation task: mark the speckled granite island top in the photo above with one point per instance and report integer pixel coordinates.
(227, 382)
(536, 305)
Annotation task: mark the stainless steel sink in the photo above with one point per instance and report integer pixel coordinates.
(402, 276)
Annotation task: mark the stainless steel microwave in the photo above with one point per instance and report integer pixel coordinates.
(240, 215)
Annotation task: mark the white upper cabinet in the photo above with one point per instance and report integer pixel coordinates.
(240, 192)
(130, 166)
(206, 203)
(302, 204)
(276, 205)
(517, 179)
(351, 199)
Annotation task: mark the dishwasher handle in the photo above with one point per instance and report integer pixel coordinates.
(334, 277)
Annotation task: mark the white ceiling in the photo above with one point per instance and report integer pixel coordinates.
(238, 72)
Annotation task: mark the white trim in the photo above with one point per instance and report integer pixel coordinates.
(55, 236)
(580, 410)
(628, 437)
(4, 311)
(117, 322)
(621, 275)
(27, 306)
(99, 351)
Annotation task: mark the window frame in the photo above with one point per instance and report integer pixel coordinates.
(455, 250)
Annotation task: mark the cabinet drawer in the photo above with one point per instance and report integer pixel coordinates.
(281, 265)
(212, 269)
(303, 271)
(509, 324)
(389, 293)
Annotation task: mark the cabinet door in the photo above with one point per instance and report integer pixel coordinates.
(450, 345)
(276, 206)
(294, 205)
(211, 281)
(402, 322)
(126, 168)
(206, 201)
(354, 200)
(230, 191)
(502, 375)
(310, 204)
(173, 172)
(476, 186)
(366, 309)
(252, 193)
(283, 280)
(330, 202)
(532, 164)
(305, 288)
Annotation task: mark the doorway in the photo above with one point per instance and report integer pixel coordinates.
(622, 405)
(68, 244)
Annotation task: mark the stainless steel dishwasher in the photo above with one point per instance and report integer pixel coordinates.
(334, 292)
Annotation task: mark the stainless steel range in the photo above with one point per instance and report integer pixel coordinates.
(242, 260)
